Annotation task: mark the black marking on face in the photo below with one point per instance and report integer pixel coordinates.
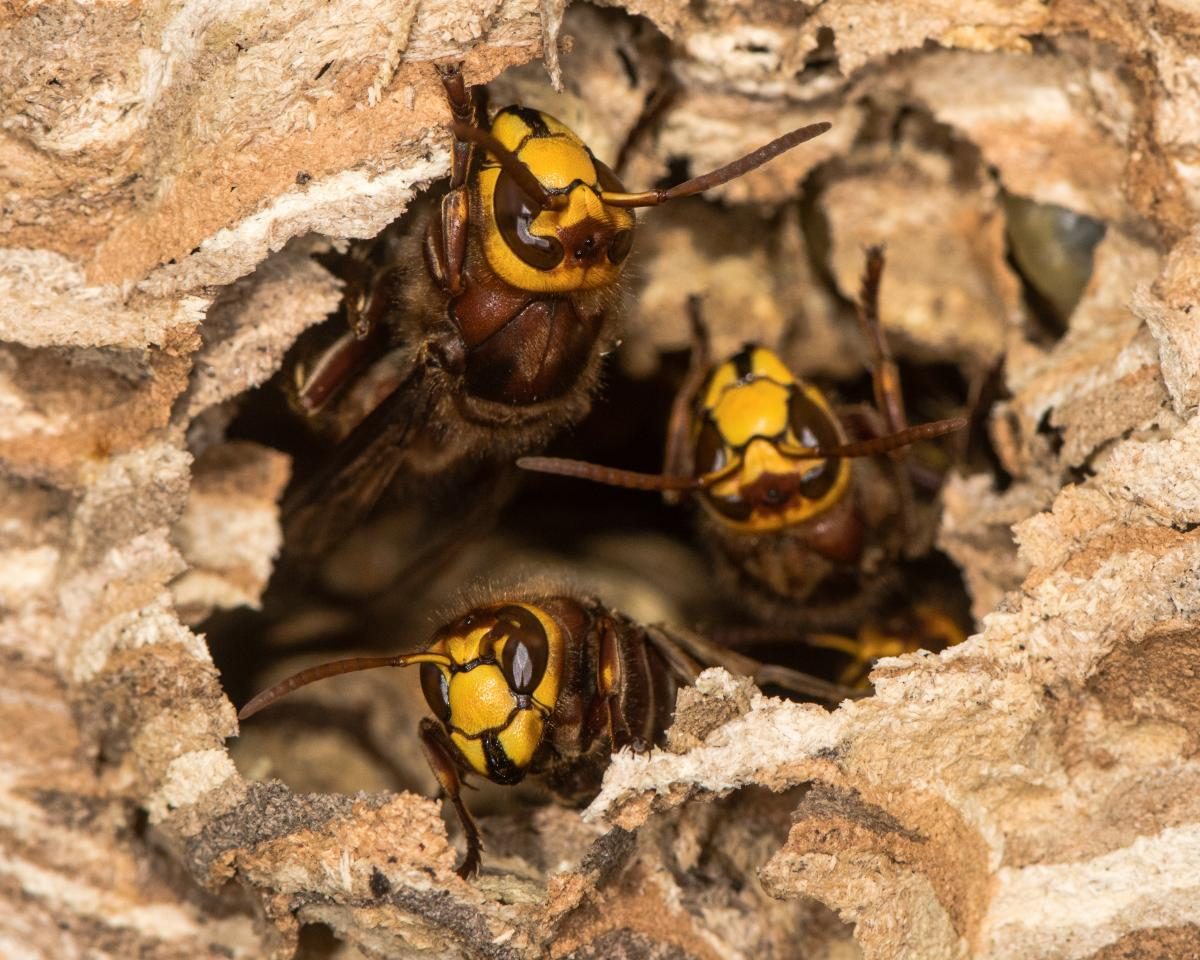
(515, 212)
(743, 362)
(500, 767)
(532, 119)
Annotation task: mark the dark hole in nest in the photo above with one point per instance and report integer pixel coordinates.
(679, 170)
(317, 941)
(1052, 250)
(822, 61)
(1053, 434)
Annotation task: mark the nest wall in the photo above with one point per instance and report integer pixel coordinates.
(166, 172)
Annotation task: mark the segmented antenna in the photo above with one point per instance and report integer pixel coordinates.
(333, 669)
(582, 470)
(731, 171)
(877, 445)
(608, 475)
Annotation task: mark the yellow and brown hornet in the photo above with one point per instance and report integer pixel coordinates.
(791, 500)
(477, 335)
(548, 685)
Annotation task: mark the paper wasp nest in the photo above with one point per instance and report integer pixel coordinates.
(1035, 792)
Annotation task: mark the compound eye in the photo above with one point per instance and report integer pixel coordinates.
(436, 688)
(526, 649)
(515, 213)
(620, 246)
(711, 453)
(609, 181)
(812, 427)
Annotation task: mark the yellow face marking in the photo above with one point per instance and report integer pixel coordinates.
(462, 648)
(748, 400)
(510, 128)
(480, 700)
(755, 409)
(558, 127)
(472, 751)
(720, 380)
(557, 160)
(764, 364)
(520, 738)
(763, 457)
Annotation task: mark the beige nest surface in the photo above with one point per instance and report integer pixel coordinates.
(174, 179)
